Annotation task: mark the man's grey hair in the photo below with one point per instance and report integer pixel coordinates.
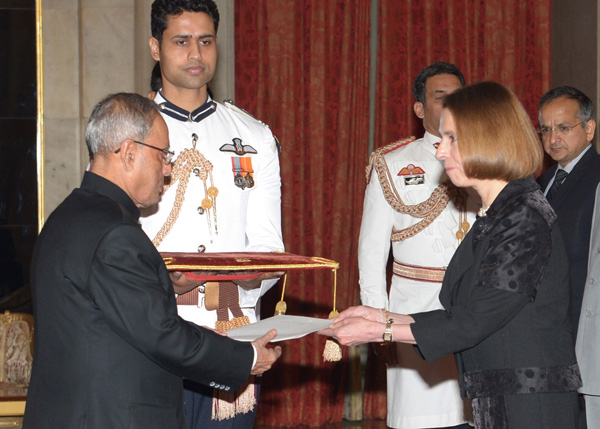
(116, 118)
(586, 106)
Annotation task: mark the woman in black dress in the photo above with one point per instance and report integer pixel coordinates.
(505, 292)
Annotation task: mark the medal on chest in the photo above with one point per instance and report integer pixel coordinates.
(243, 174)
(191, 164)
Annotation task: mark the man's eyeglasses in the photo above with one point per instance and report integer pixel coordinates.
(561, 130)
(167, 154)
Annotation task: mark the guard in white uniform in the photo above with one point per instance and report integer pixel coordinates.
(224, 192)
(224, 195)
(245, 215)
(411, 205)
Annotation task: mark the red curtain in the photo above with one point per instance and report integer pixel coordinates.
(303, 68)
(503, 40)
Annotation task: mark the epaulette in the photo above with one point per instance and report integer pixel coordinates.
(395, 145)
(378, 153)
(231, 106)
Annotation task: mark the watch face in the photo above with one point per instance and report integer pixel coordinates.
(387, 334)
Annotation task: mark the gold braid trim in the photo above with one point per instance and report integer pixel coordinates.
(189, 162)
(378, 153)
(427, 210)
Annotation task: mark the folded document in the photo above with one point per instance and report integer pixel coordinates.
(288, 327)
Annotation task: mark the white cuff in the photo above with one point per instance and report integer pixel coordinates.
(255, 356)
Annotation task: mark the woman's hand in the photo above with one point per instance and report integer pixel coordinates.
(352, 331)
(362, 324)
(369, 313)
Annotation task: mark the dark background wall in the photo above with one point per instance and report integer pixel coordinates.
(18, 137)
(574, 44)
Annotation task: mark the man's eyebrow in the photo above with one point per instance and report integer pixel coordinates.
(189, 36)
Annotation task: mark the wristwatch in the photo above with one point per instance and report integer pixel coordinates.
(387, 334)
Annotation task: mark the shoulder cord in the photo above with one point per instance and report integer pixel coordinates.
(188, 162)
(428, 210)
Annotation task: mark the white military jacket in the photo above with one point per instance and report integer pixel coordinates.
(245, 215)
(432, 247)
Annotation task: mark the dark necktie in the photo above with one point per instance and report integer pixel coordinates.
(560, 177)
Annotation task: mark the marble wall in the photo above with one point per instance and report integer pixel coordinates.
(92, 48)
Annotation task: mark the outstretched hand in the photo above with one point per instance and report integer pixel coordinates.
(266, 357)
(352, 331)
(363, 324)
(369, 313)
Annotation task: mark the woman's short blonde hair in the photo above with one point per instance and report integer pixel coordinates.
(495, 136)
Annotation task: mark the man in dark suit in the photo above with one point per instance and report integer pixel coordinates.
(567, 127)
(110, 350)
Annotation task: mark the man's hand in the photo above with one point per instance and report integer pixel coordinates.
(254, 282)
(265, 357)
(181, 282)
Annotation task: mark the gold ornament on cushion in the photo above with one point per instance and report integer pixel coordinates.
(333, 351)
(191, 162)
(281, 306)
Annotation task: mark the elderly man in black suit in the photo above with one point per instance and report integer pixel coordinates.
(567, 127)
(110, 350)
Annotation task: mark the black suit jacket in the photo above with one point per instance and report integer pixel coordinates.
(574, 206)
(110, 349)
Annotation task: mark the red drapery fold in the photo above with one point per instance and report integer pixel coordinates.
(303, 68)
(505, 41)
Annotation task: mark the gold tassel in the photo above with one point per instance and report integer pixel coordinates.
(236, 322)
(333, 351)
(227, 405)
(281, 306)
